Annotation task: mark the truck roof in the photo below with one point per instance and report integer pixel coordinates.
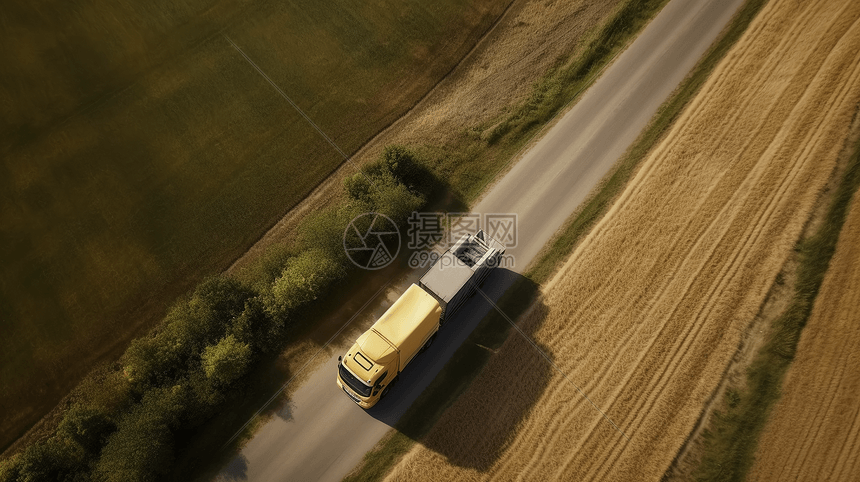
(414, 304)
(447, 276)
(456, 265)
(398, 326)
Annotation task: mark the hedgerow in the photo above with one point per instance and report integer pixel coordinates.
(175, 377)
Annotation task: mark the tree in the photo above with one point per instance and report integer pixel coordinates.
(86, 426)
(395, 184)
(226, 361)
(305, 277)
(51, 460)
(404, 165)
(10, 469)
(141, 449)
(395, 200)
(324, 230)
(224, 297)
(256, 328)
(358, 186)
(188, 328)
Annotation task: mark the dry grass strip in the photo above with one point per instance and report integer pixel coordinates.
(814, 432)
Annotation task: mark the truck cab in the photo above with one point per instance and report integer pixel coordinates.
(364, 372)
(380, 354)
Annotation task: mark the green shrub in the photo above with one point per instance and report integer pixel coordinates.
(105, 389)
(384, 193)
(396, 201)
(358, 186)
(142, 447)
(206, 317)
(324, 230)
(51, 460)
(187, 330)
(67, 455)
(403, 164)
(224, 297)
(305, 278)
(86, 426)
(10, 469)
(226, 361)
(255, 327)
(264, 270)
(140, 451)
(395, 184)
(146, 363)
(220, 366)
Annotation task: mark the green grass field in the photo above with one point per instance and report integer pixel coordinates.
(141, 152)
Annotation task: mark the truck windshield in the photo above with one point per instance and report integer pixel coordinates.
(353, 382)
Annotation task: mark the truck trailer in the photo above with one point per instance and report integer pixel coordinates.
(376, 359)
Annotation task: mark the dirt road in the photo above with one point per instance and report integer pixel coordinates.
(814, 431)
(322, 434)
(649, 310)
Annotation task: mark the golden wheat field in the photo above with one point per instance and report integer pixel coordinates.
(814, 432)
(648, 311)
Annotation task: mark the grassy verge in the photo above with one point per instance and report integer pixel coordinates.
(476, 157)
(470, 359)
(731, 439)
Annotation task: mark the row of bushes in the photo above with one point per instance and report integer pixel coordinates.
(175, 378)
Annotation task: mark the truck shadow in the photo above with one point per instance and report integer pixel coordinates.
(465, 396)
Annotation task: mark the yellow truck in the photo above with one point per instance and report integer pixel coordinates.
(369, 369)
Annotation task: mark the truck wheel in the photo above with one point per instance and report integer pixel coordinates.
(429, 342)
(388, 388)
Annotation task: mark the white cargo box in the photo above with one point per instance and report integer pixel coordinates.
(460, 270)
